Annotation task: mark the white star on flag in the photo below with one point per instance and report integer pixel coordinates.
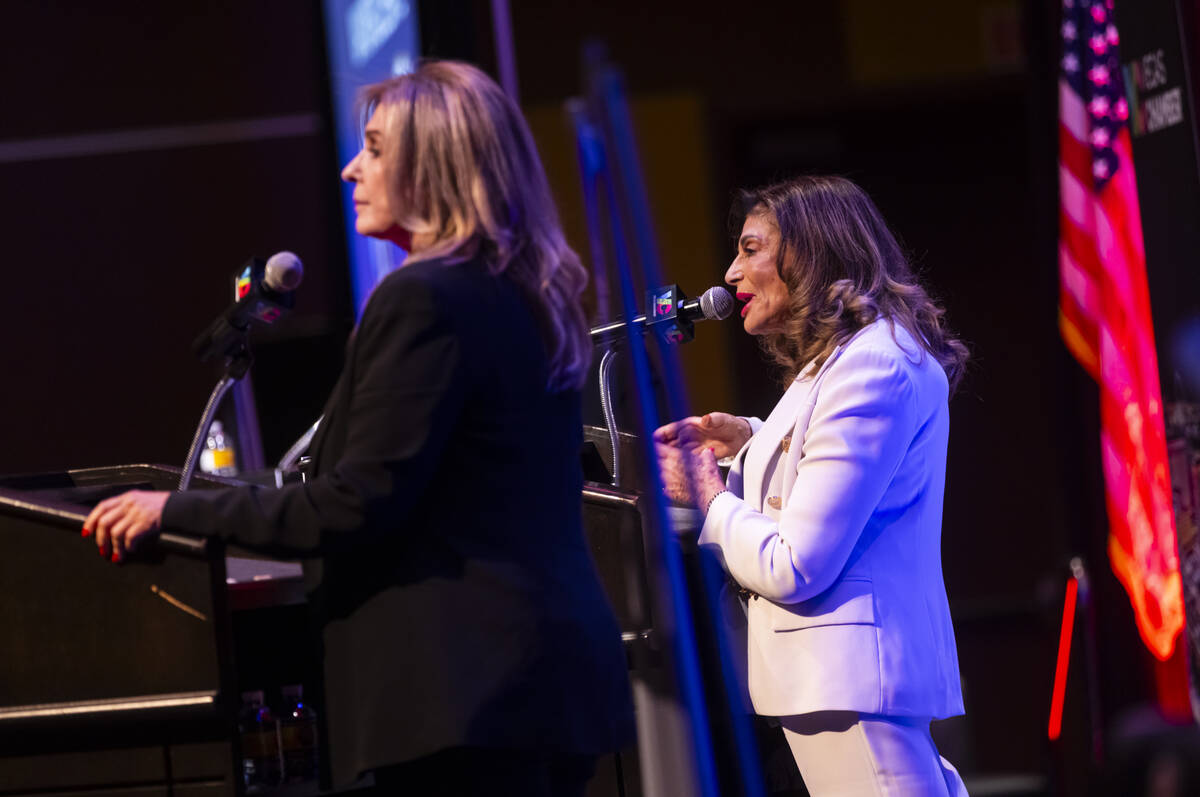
(1100, 168)
(1070, 62)
(1100, 137)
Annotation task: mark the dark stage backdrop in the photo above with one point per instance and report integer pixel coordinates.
(146, 151)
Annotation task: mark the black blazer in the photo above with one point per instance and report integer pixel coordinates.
(442, 532)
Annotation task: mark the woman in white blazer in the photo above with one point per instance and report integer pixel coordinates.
(830, 521)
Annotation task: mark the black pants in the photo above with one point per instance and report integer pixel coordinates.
(474, 771)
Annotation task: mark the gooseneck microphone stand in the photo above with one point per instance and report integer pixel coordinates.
(592, 170)
(263, 293)
(670, 316)
(238, 360)
(606, 406)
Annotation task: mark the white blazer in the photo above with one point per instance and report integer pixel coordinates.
(833, 520)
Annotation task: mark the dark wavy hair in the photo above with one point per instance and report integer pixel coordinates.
(843, 269)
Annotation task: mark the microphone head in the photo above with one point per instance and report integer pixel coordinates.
(716, 304)
(284, 272)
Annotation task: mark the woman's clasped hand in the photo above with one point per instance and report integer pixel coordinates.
(688, 451)
(725, 434)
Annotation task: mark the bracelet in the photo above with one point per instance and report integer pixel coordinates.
(714, 498)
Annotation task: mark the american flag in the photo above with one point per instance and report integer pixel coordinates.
(1104, 315)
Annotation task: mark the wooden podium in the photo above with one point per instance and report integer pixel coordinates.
(114, 678)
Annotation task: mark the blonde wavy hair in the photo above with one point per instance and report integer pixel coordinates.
(463, 171)
(843, 269)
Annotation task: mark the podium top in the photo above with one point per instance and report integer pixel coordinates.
(64, 498)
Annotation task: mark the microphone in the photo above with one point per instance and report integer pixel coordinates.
(283, 272)
(671, 314)
(263, 293)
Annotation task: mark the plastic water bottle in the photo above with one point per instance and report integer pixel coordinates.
(298, 737)
(261, 757)
(218, 457)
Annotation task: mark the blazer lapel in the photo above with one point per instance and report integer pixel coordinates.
(803, 415)
(328, 418)
(765, 444)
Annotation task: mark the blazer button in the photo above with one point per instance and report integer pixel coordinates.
(787, 443)
(744, 593)
(775, 502)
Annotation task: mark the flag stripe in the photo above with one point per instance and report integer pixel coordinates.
(1078, 283)
(1083, 323)
(1071, 112)
(1079, 345)
(1081, 248)
(1091, 220)
(1074, 155)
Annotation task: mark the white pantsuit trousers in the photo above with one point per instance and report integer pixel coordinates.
(847, 754)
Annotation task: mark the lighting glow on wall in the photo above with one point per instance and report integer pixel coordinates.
(367, 41)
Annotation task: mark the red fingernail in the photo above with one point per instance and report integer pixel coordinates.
(87, 532)
(116, 557)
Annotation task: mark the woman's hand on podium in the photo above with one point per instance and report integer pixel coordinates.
(122, 522)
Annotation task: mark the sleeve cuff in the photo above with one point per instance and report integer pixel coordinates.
(718, 513)
(185, 513)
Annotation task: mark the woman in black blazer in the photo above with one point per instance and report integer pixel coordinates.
(468, 645)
